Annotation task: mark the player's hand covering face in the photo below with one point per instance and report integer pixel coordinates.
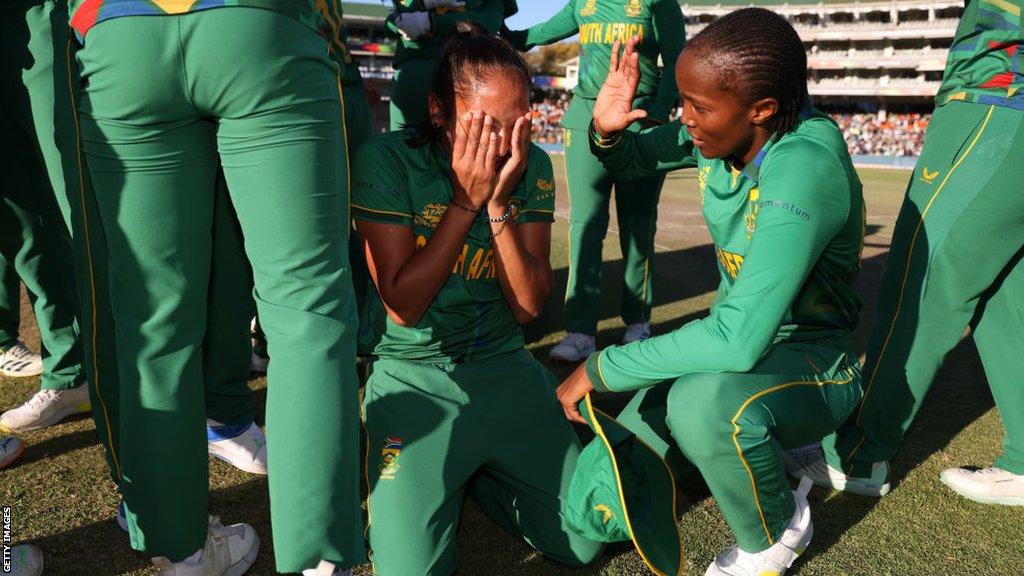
(613, 110)
(497, 110)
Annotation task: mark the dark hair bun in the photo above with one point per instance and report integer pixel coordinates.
(469, 28)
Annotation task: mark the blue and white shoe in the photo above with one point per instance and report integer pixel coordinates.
(243, 446)
(26, 560)
(11, 449)
(122, 517)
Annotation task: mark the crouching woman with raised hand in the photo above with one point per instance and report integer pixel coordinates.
(773, 365)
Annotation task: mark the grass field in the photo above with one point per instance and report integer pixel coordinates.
(62, 499)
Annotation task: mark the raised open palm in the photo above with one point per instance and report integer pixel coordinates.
(613, 111)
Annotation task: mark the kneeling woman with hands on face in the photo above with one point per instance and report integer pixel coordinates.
(455, 216)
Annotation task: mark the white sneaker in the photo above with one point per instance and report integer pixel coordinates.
(20, 362)
(11, 449)
(244, 447)
(229, 551)
(327, 569)
(259, 360)
(987, 486)
(26, 560)
(258, 364)
(45, 408)
(635, 332)
(780, 556)
(809, 462)
(574, 348)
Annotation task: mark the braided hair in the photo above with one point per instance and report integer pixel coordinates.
(757, 54)
(470, 57)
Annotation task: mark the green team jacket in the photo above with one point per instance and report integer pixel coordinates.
(600, 23)
(489, 13)
(788, 231)
(985, 62)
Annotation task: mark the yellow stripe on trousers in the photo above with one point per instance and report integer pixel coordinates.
(736, 433)
(906, 273)
(92, 278)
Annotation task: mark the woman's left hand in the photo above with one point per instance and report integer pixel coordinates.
(514, 168)
(570, 392)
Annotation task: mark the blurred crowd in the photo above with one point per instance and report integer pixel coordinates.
(895, 135)
(865, 133)
(547, 119)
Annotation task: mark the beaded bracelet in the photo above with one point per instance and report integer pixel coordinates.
(509, 210)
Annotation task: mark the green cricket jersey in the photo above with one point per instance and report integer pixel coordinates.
(985, 64)
(788, 231)
(489, 13)
(469, 319)
(600, 23)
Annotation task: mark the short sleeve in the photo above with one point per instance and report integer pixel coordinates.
(380, 191)
(539, 203)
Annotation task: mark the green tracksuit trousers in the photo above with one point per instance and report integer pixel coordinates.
(589, 186)
(10, 304)
(490, 426)
(153, 154)
(955, 262)
(734, 426)
(34, 211)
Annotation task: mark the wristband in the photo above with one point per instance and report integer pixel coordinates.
(601, 140)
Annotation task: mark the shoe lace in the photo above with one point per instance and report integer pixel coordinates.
(42, 398)
(18, 351)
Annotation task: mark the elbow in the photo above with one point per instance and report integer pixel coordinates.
(744, 362)
(404, 320)
(525, 316)
(404, 316)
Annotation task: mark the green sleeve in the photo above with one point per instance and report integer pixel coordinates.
(652, 151)
(491, 14)
(561, 26)
(670, 35)
(804, 201)
(380, 191)
(539, 204)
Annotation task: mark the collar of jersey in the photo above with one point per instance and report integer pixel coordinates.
(753, 169)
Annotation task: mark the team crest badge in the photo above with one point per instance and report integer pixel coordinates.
(634, 8)
(589, 8)
(389, 458)
(702, 182)
(927, 176)
(753, 208)
(431, 215)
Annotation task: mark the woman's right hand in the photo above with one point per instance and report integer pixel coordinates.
(613, 110)
(473, 158)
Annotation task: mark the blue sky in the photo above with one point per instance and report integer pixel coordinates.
(530, 11)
